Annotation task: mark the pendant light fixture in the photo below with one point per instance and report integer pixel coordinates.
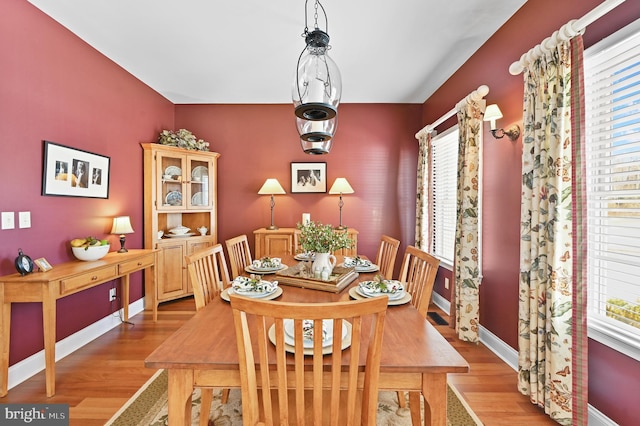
(317, 88)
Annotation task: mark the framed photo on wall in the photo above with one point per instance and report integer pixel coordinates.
(73, 172)
(308, 177)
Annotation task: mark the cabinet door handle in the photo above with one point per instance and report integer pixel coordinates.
(93, 278)
(139, 263)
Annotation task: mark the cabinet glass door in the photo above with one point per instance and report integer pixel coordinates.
(198, 183)
(171, 172)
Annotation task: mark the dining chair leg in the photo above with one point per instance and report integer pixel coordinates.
(402, 402)
(225, 395)
(206, 395)
(414, 406)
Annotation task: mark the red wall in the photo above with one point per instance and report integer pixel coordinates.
(53, 86)
(535, 21)
(374, 148)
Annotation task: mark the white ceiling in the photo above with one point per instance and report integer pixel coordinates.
(245, 51)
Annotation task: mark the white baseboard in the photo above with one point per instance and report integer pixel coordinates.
(28, 367)
(510, 357)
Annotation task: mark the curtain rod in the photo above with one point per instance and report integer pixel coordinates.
(476, 95)
(566, 32)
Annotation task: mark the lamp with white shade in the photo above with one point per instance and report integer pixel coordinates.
(341, 186)
(122, 226)
(271, 186)
(492, 113)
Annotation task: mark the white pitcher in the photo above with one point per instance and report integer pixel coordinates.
(324, 260)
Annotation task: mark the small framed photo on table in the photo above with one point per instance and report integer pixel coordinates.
(43, 265)
(308, 177)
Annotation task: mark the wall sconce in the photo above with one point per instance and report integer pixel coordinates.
(492, 113)
(341, 186)
(271, 186)
(122, 225)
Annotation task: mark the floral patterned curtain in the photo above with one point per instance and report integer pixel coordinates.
(552, 349)
(423, 224)
(467, 272)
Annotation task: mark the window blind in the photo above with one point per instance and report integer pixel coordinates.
(612, 124)
(443, 194)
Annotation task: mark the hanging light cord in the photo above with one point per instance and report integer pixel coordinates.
(315, 17)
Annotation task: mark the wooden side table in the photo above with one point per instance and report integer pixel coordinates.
(61, 281)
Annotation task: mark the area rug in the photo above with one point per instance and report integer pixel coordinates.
(148, 407)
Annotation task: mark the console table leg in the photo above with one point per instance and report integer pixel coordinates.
(5, 318)
(49, 326)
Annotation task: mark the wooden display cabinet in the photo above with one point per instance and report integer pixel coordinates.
(179, 189)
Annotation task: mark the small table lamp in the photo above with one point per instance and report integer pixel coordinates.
(341, 186)
(122, 225)
(271, 186)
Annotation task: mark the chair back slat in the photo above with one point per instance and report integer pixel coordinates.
(307, 388)
(418, 273)
(239, 254)
(386, 257)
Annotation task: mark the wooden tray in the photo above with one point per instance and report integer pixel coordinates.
(339, 279)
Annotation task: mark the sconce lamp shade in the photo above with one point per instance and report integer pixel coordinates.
(492, 113)
(121, 226)
(271, 186)
(341, 186)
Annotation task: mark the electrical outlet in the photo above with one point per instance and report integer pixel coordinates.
(446, 283)
(112, 294)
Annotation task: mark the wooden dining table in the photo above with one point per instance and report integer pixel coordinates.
(203, 352)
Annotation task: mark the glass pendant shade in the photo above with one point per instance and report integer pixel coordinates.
(316, 148)
(317, 86)
(316, 131)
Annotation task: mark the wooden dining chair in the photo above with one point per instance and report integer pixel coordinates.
(418, 273)
(208, 273)
(239, 254)
(386, 257)
(263, 322)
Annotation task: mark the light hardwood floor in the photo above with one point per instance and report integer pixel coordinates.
(99, 378)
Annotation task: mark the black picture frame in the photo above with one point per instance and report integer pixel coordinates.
(72, 172)
(308, 177)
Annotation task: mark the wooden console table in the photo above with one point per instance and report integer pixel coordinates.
(284, 242)
(61, 281)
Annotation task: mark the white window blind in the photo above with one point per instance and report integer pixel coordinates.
(443, 194)
(612, 101)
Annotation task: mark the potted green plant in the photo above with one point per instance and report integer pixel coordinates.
(322, 240)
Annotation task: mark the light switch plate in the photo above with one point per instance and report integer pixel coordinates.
(24, 219)
(8, 220)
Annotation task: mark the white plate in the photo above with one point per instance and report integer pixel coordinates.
(253, 270)
(173, 198)
(353, 292)
(266, 296)
(304, 256)
(392, 296)
(198, 173)
(346, 341)
(196, 200)
(188, 234)
(370, 268)
(328, 325)
(173, 171)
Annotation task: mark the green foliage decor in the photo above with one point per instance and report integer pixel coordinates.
(183, 138)
(624, 311)
(318, 238)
